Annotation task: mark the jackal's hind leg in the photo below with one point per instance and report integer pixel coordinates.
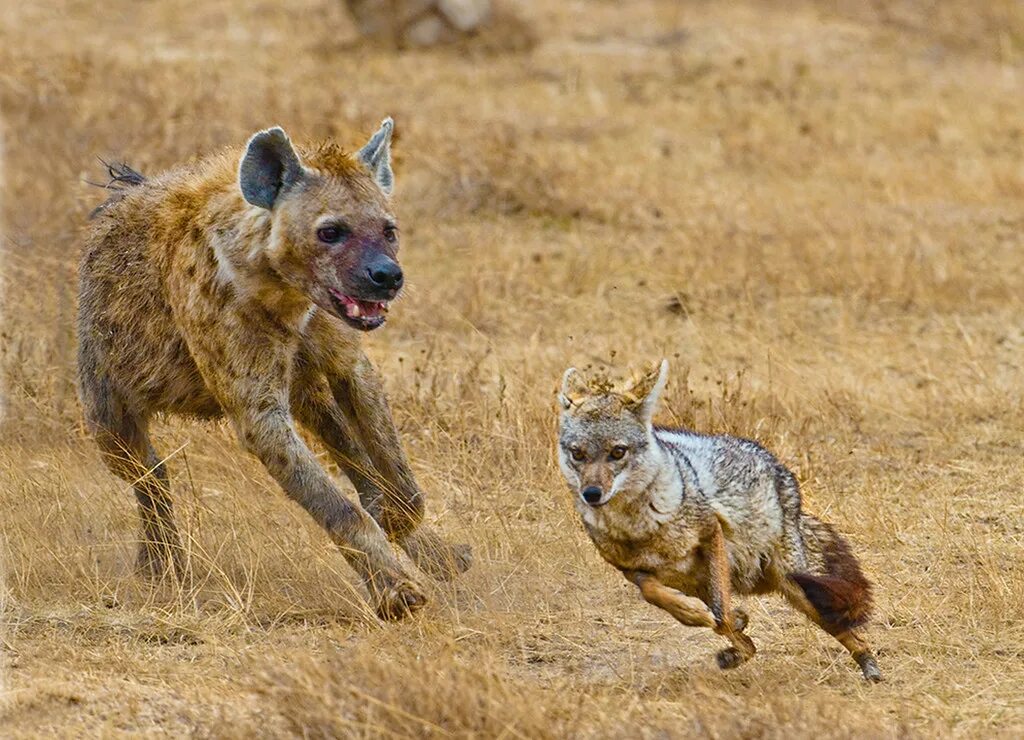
(849, 637)
(861, 653)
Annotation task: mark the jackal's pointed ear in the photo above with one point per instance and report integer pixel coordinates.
(268, 167)
(376, 155)
(574, 388)
(646, 391)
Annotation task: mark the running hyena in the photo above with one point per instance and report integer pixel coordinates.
(240, 286)
(691, 518)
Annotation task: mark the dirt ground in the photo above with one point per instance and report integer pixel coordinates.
(815, 210)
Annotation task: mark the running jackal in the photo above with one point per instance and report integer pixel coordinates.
(691, 518)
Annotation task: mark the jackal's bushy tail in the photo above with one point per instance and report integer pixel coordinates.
(841, 594)
(122, 177)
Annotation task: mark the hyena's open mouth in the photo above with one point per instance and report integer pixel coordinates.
(363, 315)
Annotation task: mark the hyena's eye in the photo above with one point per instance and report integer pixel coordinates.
(391, 233)
(577, 454)
(617, 452)
(332, 234)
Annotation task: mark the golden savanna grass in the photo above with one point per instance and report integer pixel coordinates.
(815, 210)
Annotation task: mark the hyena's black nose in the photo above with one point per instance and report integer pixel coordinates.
(592, 495)
(385, 273)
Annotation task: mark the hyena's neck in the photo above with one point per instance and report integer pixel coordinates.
(240, 240)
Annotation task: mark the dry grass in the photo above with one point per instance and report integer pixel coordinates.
(815, 208)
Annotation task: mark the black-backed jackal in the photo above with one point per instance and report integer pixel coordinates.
(692, 519)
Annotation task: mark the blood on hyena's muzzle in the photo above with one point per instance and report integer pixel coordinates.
(371, 278)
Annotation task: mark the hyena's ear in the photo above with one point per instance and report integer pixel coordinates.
(269, 167)
(376, 155)
(646, 391)
(574, 388)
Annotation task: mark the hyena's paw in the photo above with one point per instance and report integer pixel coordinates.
(156, 561)
(869, 667)
(395, 598)
(434, 556)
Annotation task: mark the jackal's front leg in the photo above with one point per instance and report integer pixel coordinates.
(729, 622)
(361, 397)
(689, 610)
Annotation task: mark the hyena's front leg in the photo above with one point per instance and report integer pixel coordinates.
(729, 622)
(361, 398)
(268, 433)
(315, 408)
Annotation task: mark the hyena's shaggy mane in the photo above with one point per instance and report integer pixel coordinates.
(122, 177)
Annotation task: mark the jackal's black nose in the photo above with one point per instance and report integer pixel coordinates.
(592, 495)
(385, 273)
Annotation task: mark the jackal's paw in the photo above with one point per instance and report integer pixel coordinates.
(729, 657)
(739, 620)
(436, 557)
(742, 650)
(869, 667)
(395, 599)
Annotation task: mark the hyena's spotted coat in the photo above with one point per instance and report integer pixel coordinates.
(240, 286)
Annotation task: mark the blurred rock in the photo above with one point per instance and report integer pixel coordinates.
(420, 22)
(465, 15)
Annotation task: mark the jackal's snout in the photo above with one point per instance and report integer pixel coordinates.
(592, 495)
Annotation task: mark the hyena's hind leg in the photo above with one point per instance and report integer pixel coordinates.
(124, 444)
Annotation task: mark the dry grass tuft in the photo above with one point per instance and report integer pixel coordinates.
(814, 209)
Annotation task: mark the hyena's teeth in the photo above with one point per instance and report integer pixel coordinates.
(383, 306)
(353, 310)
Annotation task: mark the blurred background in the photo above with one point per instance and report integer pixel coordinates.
(814, 209)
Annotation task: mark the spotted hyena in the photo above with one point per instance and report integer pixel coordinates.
(241, 286)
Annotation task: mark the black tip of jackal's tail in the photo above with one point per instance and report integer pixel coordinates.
(121, 177)
(841, 595)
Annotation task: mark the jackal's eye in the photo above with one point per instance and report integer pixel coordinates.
(577, 454)
(391, 233)
(332, 234)
(617, 452)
